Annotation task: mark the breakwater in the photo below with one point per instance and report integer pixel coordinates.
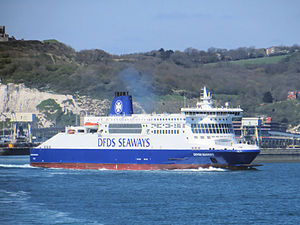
(278, 155)
(16, 149)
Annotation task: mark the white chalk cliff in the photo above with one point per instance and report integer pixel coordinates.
(20, 99)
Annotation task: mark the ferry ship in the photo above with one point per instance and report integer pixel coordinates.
(197, 137)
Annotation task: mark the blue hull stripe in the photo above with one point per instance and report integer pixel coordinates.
(142, 156)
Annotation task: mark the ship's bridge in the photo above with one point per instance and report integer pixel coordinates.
(205, 107)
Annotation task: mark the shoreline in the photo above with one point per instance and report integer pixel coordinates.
(278, 155)
(14, 151)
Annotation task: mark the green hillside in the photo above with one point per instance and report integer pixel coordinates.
(159, 79)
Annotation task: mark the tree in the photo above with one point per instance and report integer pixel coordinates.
(267, 98)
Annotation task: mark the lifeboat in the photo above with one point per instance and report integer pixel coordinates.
(71, 131)
(91, 125)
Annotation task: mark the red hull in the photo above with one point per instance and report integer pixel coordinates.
(136, 166)
(119, 166)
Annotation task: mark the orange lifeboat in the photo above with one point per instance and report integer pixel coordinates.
(71, 131)
(91, 125)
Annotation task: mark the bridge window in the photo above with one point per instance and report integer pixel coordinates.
(125, 128)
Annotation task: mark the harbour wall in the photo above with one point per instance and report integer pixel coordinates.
(278, 155)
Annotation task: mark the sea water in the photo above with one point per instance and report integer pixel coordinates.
(269, 195)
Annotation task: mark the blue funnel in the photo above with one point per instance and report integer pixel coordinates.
(121, 105)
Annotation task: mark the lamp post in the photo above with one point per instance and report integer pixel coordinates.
(13, 133)
(3, 124)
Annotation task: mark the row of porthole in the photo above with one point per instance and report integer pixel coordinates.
(168, 119)
(166, 132)
(209, 137)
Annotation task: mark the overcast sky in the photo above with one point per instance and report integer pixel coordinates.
(130, 26)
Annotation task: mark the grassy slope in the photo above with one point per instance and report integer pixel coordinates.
(264, 60)
(255, 61)
(157, 83)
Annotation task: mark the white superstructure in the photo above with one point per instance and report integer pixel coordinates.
(200, 127)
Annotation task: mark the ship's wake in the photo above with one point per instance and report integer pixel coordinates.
(16, 166)
(200, 169)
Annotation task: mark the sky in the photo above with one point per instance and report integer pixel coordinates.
(135, 26)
